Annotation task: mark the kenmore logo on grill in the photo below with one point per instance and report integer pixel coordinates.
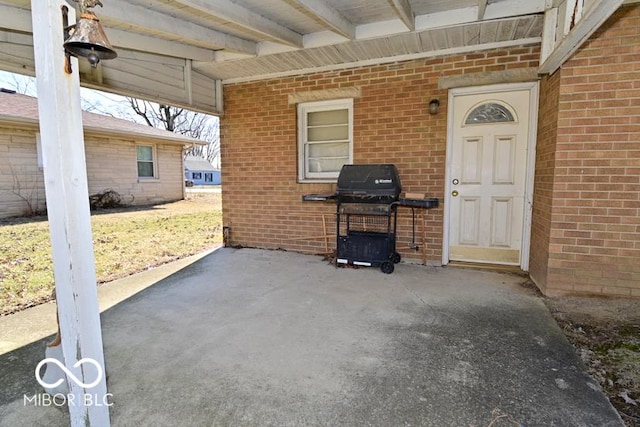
(384, 181)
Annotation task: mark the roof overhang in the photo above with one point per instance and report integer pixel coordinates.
(181, 52)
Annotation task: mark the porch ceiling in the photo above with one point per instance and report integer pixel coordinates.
(183, 44)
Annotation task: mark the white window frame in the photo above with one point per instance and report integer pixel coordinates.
(154, 162)
(303, 108)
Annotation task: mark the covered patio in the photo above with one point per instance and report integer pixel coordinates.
(378, 340)
(255, 337)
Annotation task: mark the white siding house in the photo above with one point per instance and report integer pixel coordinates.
(143, 164)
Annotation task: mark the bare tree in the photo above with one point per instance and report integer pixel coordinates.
(185, 122)
(26, 185)
(22, 84)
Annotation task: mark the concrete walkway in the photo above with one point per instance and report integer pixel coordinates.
(251, 337)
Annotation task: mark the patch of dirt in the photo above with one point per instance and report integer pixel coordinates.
(606, 335)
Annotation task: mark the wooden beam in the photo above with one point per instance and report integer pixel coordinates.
(66, 189)
(591, 20)
(17, 19)
(247, 20)
(321, 12)
(549, 33)
(509, 8)
(482, 8)
(121, 12)
(404, 12)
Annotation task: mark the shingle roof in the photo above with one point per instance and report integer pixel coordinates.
(198, 164)
(20, 108)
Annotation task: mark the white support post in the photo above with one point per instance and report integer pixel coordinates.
(68, 212)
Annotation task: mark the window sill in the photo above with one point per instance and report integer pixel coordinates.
(318, 181)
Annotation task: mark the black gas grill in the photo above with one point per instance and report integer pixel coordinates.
(367, 197)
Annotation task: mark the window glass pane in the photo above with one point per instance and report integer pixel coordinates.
(145, 169)
(328, 133)
(340, 149)
(197, 175)
(327, 157)
(489, 113)
(208, 177)
(144, 153)
(323, 118)
(326, 165)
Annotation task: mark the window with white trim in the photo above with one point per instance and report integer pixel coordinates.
(146, 161)
(325, 139)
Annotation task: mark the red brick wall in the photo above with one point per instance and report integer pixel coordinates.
(262, 198)
(544, 176)
(594, 240)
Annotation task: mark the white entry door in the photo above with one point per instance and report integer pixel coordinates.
(488, 162)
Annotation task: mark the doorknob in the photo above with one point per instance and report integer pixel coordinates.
(454, 193)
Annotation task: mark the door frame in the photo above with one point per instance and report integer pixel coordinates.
(533, 88)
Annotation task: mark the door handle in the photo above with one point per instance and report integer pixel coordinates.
(454, 193)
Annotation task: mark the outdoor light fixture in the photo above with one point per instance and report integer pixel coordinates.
(87, 38)
(434, 106)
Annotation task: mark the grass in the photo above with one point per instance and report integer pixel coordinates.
(126, 241)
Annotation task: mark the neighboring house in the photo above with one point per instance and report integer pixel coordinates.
(540, 173)
(141, 163)
(200, 171)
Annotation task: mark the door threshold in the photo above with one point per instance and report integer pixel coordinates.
(515, 269)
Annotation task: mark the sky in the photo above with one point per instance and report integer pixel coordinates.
(92, 100)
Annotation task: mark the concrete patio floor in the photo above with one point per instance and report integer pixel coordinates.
(252, 337)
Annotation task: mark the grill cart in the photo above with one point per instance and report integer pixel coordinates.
(366, 216)
(367, 198)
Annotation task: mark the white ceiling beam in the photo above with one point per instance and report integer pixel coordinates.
(128, 40)
(132, 16)
(591, 20)
(321, 12)
(19, 20)
(120, 12)
(381, 29)
(549, 33)
(509, 8)
(446, 18)
(404, 12)
(482, 8)
(247, 20)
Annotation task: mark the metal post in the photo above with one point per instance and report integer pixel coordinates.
(68, 212)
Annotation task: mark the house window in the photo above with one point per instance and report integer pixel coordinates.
(490, 112)
(196, 175)
(146, 164)
(325, 139)
(208, 177)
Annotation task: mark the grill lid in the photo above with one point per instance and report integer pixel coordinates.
(378, 183)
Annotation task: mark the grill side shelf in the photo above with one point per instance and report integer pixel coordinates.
(318, 197)
(428, 203)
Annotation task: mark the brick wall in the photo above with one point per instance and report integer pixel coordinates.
(594, 235)
(544, 176)
(262, 198)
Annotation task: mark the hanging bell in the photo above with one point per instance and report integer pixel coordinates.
(88, 40)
